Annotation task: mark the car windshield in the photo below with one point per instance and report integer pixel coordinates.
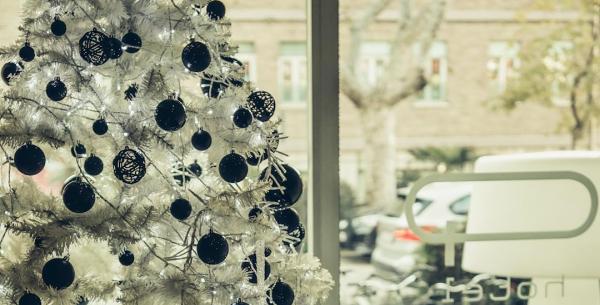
(398, 209)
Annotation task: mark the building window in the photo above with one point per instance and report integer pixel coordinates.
(247, 56)
(292, 72)
(502, 64)
(374, 57)
(557, 61)
(436, 71)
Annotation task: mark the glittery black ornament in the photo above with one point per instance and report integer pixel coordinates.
(112, 47)
(280, 294)
(29, 159)
(215, 10)
(27, 53)
(212, 87)
(58, 273)
(30, 299)
(262, 105)
(180, 209)
(129, 166)
(254, 213)
(201, 140)
(100, 126)
(78, 150)
(170, 115)
(287, 218)
(132, 42)
(91, 47)
(56, 90)
(58, 27)
(233, 168)
(10, 71)
(93, 165)
(242, 118)
(250, 266)
(78, 196)
(286, 186)
(126, 258)
(196, 56)
(212, 248)
(131, 92)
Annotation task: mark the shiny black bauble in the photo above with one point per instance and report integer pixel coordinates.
(287, 218)
(215, 10)
(233, 168)
(126, 258)
(280, 294)
(212, 248)
(10, 71)
(27, 53)
(93, 165)
(196, 56)
(78, 196)
(201, 140)
(56, 90)
(58, 27)
(291, 182)
(58, 273)
(78, 150)
(132, 42)
(170, 115)
(100, 126)
(181, 209)
(29, 159)
(112, 47)
(242, 118)
(30, 299)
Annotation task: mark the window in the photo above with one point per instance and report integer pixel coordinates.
(502, 64)
(374, 57)
(292, 74)
(461, 206)
(436, 71)
(247, 56)
(556, 61)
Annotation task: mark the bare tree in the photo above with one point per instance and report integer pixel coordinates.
(403, 78)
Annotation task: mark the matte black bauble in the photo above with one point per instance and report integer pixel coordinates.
(58, 273)
(132, 42)
(126, 258)
(233, 168)
(254, 214)
(201, 140)
(250, 265)
(212, 248)
(78, 150)
(280, 294)
(93, 165)
(56, 90)
(30, 299)
(129, 166)
(100, 127)
(287, 218)
(215, 10)
(91, 47)
(285, 190)
(262, 105)
(196, 56)
(10, 71)
(170, 115)
(29, 159)
(112, 47)
(242, 118)
(27, 53)
(181, 209)
(58, 27)
(78, 196)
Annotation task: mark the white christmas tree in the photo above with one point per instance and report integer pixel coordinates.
(178, 194)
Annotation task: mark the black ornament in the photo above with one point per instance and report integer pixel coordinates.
(78, 196)
(10, 71)
(27, 53)
(215, 10)
(91, 47)
(262, 105)
(78, 150)
(30, 299)
(58, 27)
(287, 218)
(170, 115)
(273, 140)
(212, 248)
(201, 140)
(81, 300)
(211, 87)
(93, 165)
(29, 159)
(58, 273)
(184, 174)
(298, 234)
(100, 126)
(181, 209)
(254, 214)
(242, 118)
(126, 258)
(255, 159)
(112, 47)
(131, 92)
(290, 182)
(132, 42)
(195, 169)
(39, 241)
(280, 294)
(238, 302)
(250, 265)
(129, 166)
(196, 56)
(233, 168)
(56, 90)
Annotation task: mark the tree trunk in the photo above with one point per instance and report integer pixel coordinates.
(379, 155)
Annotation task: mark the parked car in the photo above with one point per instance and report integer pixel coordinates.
(358, 233)
(397, 247)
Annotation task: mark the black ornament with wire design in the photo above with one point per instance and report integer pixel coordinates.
(286, 185)
(93, 165)
(170, 115)
(233, 168)
(30, 299)
(242, 118)
(196, 56)
(91, 47)
(11, 70)
(29, 159)
(56, 90)
(112, 47)
(126, 258)
(78, 195)
(201, 140)
(100, 127)
(129, 166)
(58, 27)
(262, 105)
(132, 42)
(215, 10)
(58, 273)
(212, 248)
(180, 209)
(27, 53)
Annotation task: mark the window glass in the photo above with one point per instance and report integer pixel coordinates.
(502, 63)
(461, 206)
(556, 62)
(247, 56)
(436, 72)
(374, 55)
(292, 72)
